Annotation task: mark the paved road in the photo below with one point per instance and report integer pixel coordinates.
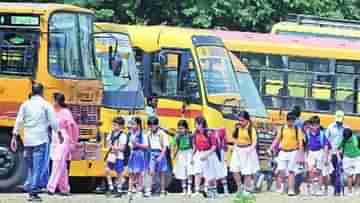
(176, 198)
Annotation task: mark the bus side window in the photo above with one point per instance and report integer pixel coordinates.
(255, 63)
(164, 76)
(345, 90)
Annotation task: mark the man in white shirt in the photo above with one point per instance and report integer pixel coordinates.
(35, 116)
(158, 144)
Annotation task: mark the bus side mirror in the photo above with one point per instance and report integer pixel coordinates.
(115, 64)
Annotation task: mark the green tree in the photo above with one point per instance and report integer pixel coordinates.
(244, 15)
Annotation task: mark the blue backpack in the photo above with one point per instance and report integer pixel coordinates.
(322, 139)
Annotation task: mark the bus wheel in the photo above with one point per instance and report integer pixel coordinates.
(83, 184)
(12, 168)
(171, 183)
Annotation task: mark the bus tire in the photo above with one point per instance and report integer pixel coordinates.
(12, 169)
(83, 184)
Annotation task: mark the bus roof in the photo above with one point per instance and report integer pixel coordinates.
(110, 27)
(315, 29)
(290, 45)
(38, 8)
(152, 38)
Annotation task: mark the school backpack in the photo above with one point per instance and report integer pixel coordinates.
(217, 145)
(127, 150)
(322, 139)
(296, 134)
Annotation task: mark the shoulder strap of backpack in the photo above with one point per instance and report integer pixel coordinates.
(249, 131)
(322, 139)
(114, 137)
(208, 136)
(148, 138)
(127, 139)
(281, 133)
(161, 137)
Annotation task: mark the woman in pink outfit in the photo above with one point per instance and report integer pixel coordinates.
(61, 146)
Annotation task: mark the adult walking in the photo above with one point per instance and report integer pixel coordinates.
(35, 115)
(61, 146)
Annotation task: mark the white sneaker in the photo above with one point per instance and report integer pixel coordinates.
(357, 191)
(196, 194)
(319, 192)
(307, 190)
(139, 195)
(291, 193)
(147, 194)
(163, 194)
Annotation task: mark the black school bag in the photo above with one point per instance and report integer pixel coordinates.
(127, 150)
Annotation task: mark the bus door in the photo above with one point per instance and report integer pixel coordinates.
(171, 78)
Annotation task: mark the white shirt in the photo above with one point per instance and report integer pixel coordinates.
(155, 142)
(36, 115)
(120, 141)
(143, 141)
(334, 134)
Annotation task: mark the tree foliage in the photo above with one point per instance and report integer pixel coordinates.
(245, 15)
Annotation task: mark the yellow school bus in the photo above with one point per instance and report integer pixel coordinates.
(319, 75)
(51, 44)
(122, 94)
(314, 26)
(191, 74)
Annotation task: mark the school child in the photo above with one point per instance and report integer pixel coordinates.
(244, 160)
(221, 153)
(204, 157)
(290, 140)
(158, 146)
(334, 133)
(318, 160)
(183, 169)
(117, 141)
(349, 148)
(137, 164)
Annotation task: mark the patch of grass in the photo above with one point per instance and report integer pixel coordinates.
(244, 198)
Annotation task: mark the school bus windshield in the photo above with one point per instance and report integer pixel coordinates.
(124, 85)
(217, 70)
(70, 46)
(223, 87)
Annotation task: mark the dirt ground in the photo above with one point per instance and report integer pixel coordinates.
(177, 198)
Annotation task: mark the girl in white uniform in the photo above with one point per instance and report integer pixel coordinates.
(244, 160)
(205, 159)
